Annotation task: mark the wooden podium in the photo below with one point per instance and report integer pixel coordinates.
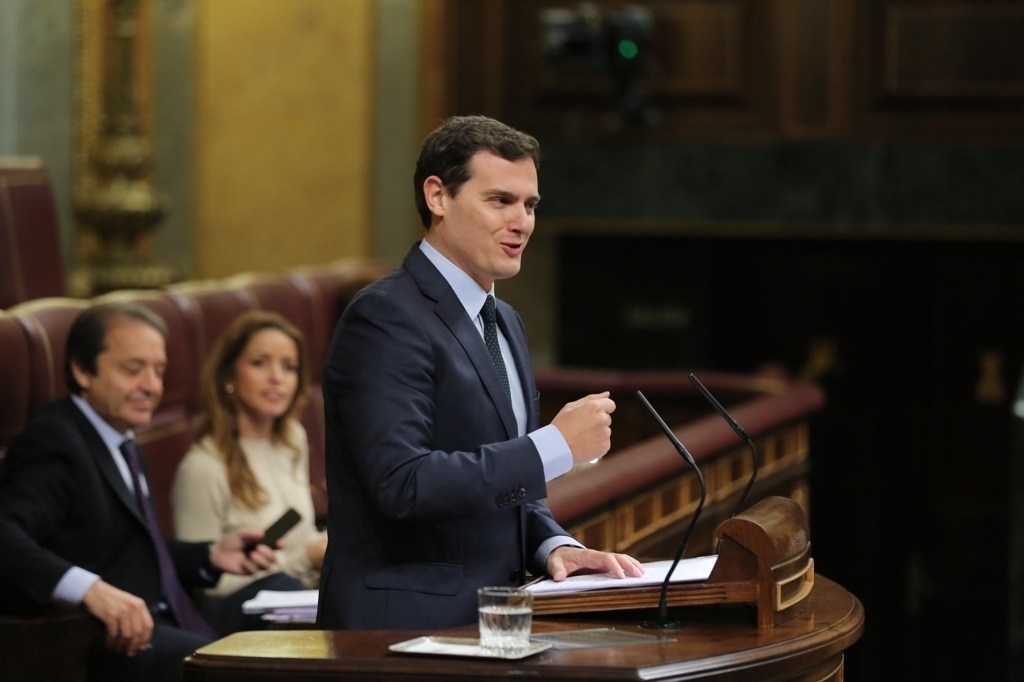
(713, 645)
(803, 627)
(765, 561)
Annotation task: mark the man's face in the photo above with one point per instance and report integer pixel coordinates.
(129, 375)
(484, 228)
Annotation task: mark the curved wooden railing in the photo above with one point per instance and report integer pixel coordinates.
(637, 497)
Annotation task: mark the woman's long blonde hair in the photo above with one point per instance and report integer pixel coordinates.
(220, 410)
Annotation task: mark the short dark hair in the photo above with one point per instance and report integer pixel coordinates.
(447, 151)
(88, 335)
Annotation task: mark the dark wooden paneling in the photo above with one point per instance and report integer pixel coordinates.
(928, 70)
(934, 71)
(813, 41)
(954, 50)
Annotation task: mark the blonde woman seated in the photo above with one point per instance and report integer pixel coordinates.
(250, 462)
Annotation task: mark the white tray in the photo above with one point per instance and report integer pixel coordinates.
(462, 646)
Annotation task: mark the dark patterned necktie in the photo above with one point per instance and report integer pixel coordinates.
(491, 339)
(181, 605)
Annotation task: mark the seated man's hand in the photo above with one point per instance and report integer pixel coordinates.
(126, 617)
(229, 553)
(567, 560)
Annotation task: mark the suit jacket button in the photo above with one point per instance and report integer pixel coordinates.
(522, 493)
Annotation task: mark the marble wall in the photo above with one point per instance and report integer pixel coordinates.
(837, 186)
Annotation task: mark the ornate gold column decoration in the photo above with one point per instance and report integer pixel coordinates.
(115, 200)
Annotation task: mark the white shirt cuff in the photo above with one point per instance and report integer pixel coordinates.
(73, 585)
(555, 455)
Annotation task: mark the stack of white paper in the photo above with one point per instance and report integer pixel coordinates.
(688, 570)
(274, 602)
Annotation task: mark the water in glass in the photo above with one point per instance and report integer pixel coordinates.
(505, 619)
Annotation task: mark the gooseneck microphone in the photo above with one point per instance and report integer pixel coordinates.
(739, 432)
(663, 621)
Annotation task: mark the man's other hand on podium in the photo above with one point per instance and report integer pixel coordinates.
(569, 560)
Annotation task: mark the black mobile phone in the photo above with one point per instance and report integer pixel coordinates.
(277, 529)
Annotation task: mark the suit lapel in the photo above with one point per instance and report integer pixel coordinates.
(105, 463)
(449, 309)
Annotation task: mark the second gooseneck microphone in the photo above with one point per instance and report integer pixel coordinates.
(663, 621)
(739, 432)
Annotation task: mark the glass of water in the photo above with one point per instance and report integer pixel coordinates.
(505, 618)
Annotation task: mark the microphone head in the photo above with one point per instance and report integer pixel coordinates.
(718, 406)
(680, 448)
(739, 432)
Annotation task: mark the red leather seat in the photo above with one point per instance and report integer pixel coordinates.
(212, 306)
(14, 378)
(31, 264)
(46, 322)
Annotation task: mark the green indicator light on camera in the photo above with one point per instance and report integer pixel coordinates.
(628, 49)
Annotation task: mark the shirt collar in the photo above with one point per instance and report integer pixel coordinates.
(469, 293)
(111, 437)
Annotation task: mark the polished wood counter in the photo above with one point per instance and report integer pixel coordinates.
(713, 643)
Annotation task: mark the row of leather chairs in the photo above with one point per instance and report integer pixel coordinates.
(33, 334)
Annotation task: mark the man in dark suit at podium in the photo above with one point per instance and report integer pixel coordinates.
(77, 526)
(436, 462)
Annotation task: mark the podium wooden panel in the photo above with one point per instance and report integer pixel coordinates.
(765, 560)
(713, 643)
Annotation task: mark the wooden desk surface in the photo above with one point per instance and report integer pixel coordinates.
(714, 643)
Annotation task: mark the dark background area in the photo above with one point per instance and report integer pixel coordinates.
(911, 470)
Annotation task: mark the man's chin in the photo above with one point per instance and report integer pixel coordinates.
(137, 419)
(510, 270)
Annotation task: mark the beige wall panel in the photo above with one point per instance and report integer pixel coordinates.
(284, 131)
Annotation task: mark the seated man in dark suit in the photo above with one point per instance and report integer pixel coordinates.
(76, 522)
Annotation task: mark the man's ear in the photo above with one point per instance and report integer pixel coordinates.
(82, 378)
(436, 194)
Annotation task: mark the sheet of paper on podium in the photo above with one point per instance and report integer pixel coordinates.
(696, 569)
